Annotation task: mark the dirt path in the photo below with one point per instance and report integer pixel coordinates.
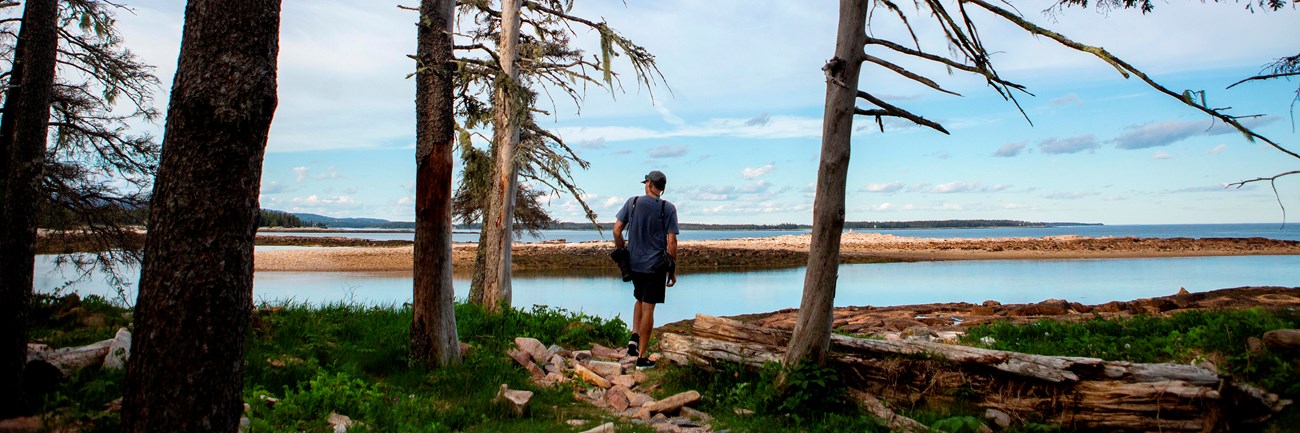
(774, 252)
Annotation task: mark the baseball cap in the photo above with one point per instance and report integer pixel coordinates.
(657, 177)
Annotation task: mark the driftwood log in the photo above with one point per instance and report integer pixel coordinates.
(1084, 394)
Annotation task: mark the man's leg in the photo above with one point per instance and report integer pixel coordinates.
(645, 325)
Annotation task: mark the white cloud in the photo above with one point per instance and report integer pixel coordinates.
(1011, 149)
(1054, 146)
(1217, 149)
(667, 151)
(885, 187)
(1071, 99)
(960, 187)
(405, 201)
(1162, 155)
(753, 172)
(667, 115)
(301, 172)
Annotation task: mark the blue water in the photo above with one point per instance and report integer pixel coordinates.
(1091, 281)
(1289, 232)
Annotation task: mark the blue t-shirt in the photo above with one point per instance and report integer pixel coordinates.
(647, 232)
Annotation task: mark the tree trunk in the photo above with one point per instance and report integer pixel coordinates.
(497, 221)
(813, 329)
(434, 341)
(195, 296)
(30, 102)
(1083, 394)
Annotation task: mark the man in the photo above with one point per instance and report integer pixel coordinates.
(651, 224)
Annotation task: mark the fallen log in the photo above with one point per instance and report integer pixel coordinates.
(1084, 394)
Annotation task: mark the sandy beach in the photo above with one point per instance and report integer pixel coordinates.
(773, 252)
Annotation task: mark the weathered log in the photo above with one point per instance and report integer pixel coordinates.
(70, 359)
(1085, 394)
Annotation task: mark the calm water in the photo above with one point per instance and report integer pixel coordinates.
(1273, 231)
(1008, 281)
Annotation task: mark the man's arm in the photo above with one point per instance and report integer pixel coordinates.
(672, 251)
(618, 236)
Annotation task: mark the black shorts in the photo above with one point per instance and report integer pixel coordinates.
(649, 288)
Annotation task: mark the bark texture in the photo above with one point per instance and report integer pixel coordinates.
(26, 130)
(434, 341)
(195, 297)
(1082, 394)
(813, 329)
(497, 221)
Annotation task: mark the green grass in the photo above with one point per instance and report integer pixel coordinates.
(1185, 337)
(352, 360)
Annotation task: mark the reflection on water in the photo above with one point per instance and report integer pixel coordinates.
(731, 293)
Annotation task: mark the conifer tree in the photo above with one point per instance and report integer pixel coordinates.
(512, 53)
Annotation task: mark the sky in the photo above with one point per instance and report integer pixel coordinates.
(737, 126)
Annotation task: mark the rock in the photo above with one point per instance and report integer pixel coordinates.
(991, 304)
(553, 379)
(1283, 341)
(982, 311)
(918, 333)
(636, 399)
(516, 400)
(591, 377)
(603, 428)
(1183, 291)
(1112, 307)
(1000, 418)
(119, 351)
(696, 415)
(1037, 310)
(1254, 345)
(901, 324)
(623, 380)
(675, 402)
(606, 369)
(533, 347)
(576, 422)
(555, 349)
(341, 423)
(582, 355)
(605, 352)
(617, 398)
(524, 359)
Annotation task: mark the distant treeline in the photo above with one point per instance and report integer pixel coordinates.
(275, 218)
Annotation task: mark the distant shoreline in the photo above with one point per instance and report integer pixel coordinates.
(776, 252)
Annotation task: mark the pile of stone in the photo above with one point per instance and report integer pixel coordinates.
(612, 383)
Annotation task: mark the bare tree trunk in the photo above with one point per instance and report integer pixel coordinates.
(191, 317)
(499, 217)
(812, 331)
(434, 341)
(22, 189)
